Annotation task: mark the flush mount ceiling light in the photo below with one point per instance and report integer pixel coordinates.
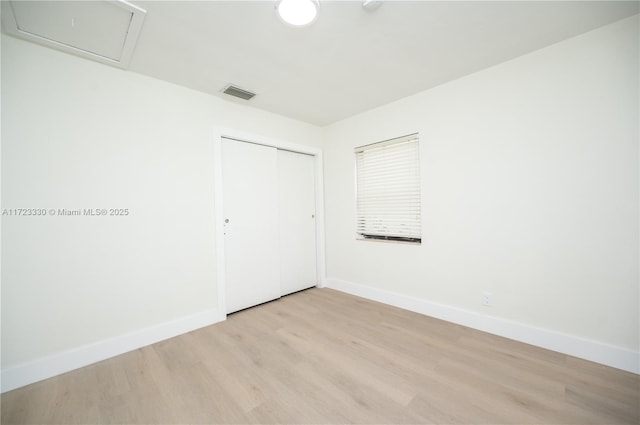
(371, 4)
(298, 12)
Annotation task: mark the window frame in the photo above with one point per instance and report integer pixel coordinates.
(394, 223)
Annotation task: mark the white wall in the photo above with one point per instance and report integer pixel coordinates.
(530, 192)
(78, 134)
(530, 188)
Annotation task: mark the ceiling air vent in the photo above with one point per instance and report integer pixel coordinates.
(232, 90)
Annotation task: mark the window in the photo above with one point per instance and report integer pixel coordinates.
(388, 190)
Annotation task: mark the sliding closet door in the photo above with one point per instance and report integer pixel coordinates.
(297, 206)
(250, 196)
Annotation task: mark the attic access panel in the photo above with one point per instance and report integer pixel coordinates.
(105, 31)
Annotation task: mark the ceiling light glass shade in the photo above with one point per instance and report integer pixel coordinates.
(297, 12)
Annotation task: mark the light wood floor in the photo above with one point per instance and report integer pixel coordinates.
(321, 356)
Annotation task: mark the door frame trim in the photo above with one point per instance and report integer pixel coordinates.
(220, 133)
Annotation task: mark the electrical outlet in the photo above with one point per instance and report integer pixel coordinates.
(487, 299)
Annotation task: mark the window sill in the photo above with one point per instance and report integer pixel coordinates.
(389, 241)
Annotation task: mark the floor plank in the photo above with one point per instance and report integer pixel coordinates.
(322, 357)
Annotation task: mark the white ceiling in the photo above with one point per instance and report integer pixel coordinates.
(350, 60)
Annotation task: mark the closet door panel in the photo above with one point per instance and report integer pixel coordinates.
(297, 210)
(250, 196)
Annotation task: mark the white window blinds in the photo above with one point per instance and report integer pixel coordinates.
(388, 190)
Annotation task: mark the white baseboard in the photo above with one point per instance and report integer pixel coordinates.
(617, 357)
(37, 370)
